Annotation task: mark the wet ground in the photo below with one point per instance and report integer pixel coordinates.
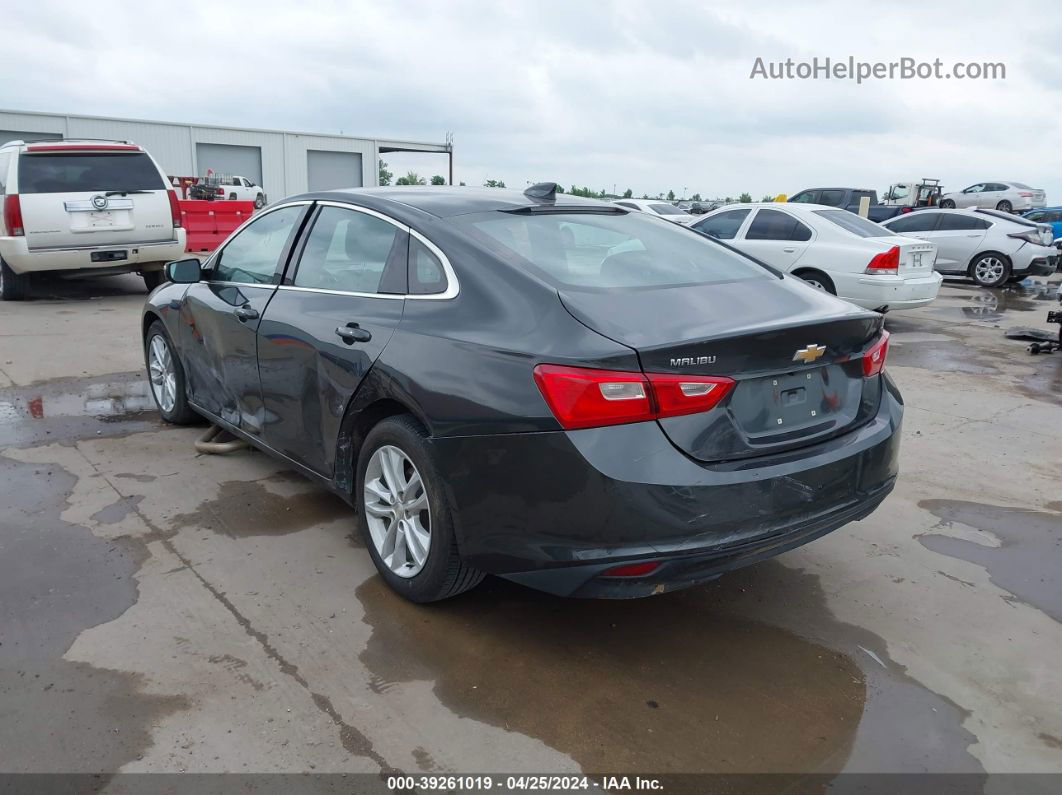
(166, 611)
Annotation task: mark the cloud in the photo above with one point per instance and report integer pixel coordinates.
(648, 96)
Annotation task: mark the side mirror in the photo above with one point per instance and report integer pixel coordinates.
(183, 271)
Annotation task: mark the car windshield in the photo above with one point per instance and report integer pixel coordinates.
(666, 209)
(608, 250)
(87, 171)
(850, 222)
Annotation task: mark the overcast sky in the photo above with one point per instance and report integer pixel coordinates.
(651, 96)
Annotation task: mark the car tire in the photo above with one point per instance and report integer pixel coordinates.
(153, 279)
(441, 573)
(13, 286)
(947, 204)
(818, 280)
(259, 201)
(990, 269)
(1005, 206)
(171, 399)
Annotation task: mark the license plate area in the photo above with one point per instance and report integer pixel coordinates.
(109, 256)
(791, 405)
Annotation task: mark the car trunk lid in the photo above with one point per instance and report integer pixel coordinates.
(794, 353)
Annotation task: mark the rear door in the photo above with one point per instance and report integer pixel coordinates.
(221, 315)
(958, 236)
(78, 196)
(775, 237)
(338, 306)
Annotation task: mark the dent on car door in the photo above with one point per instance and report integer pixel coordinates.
(336, 310)
(220, 317)
(776, 237)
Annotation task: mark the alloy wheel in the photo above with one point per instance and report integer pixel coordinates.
(162, 374)
(816, 283)
(397, 511)
(989, 270)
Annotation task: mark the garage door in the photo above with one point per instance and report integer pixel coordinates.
(227, 160)
(15, 135)
(330, 170)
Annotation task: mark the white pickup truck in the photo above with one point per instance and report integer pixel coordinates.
(242, 189)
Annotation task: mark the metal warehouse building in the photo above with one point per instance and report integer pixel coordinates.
(281, 162)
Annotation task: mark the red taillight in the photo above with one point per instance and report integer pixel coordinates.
(885, 263)
(219, 191)
(1026, 195)
(13, 216)
(874, 358)
(631, 570)
(175, 209)
(905, 210)
(581, 397)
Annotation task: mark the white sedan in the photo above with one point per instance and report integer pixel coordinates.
(831, 249)
(658, 207)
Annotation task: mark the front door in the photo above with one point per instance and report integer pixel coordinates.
(221, 316)
(340, 302)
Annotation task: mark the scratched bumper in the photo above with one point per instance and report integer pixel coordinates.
(555, 510)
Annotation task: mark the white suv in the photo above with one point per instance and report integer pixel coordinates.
(99, 206)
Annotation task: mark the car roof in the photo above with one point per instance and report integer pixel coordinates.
(444, 201)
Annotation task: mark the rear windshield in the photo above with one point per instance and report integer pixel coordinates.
(856, 224)
(666, 209)
(1020, 185)
(87, 171)
(1014, 219)
(604, 251)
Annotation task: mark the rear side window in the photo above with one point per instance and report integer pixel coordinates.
(666, 209)
(775, 225)
(87, 171)
(5, 162)
(724, 226)
(831, 198)
(426, 274)
(914, 222)
(850, 222)
(960, 221)
(607, 250)
(347, 251)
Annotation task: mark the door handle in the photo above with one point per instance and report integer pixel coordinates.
(788, 250)
(245, 313)
(352, 333)
(973, 235)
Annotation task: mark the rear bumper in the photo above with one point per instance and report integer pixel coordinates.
(895, 292)
(555, 510)
(1040, 266)
(22, 259)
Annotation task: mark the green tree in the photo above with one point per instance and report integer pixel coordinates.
(728, 200)
(627, 193)
(767, 198)
(461, 184)
(645, 195)
(385, 175)
(671, 195)
(494, 183)
(560, 189)
(745, 197)
(438, 180)
(411, 178)
(696, 197)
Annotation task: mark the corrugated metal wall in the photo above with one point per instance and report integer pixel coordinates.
(284, 160)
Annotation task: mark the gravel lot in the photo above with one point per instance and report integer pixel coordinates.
(164, 611)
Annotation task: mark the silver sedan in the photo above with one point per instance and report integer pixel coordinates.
(1005, 196)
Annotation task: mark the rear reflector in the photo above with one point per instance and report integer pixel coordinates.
(13, 216)
(874, 358)
(631, 570)
(175, 209)
(581, 397)
(888, 262)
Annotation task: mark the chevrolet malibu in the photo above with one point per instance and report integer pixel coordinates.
(574, 396)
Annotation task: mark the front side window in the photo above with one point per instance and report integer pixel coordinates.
(899, 192)
(82, 172)
(604, 250)
(856, 225)
(914, 222)
(346, 250)
(775, 225)
(975, 189)
(251, 256)
(723, 226)
(807, 197)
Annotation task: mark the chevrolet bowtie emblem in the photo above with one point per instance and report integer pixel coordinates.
(809, 354)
